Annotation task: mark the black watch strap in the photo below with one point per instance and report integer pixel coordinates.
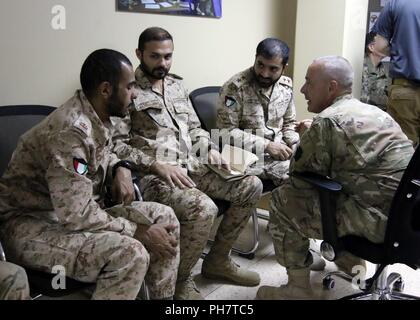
(123, 163)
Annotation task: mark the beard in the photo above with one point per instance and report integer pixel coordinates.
(116, 107)
(156, 73)
(264, 82)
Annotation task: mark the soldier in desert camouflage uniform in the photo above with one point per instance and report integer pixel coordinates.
(52, 194)
(13, 282)
(375, 79)
(165, 127)
(356, 144)
(261, 98)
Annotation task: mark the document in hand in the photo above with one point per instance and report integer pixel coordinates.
(239, 161)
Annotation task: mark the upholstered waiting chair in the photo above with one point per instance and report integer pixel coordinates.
(204, 101)
(402, 237)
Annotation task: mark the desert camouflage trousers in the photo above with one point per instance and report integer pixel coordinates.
(404, 107)
(295, 217)
(118, 264)
(13, 282)
(276, 171)
(196, 210)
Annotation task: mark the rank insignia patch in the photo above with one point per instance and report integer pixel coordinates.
(229, 102)
(80, 166)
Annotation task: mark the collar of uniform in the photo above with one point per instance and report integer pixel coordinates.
(346, 96)
(142, 80)
(145, 83)
(90, 113)
(371, 67)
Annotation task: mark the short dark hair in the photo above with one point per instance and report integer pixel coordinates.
(272, 47)
(370, 37)
(100, 66)
(153, 34)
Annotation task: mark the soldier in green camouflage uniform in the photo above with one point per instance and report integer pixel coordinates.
(260, 98)
(52, 194)
(356, 144)
(164, 138)
(13, 282)
(375, 77)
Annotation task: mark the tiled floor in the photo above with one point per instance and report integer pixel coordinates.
(273, 274)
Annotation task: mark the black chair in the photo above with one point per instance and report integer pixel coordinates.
(402, 237)
(15, 120)
(204, 101)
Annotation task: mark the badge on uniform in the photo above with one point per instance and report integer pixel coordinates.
(229, 102)
(80, 166)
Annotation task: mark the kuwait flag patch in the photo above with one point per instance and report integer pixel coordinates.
(229, 102)
(80, 166)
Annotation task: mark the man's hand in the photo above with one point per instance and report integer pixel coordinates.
(215, 158)
(173, 175)
(158, 239)
(303, 125)
(279, 151)
(122, 186)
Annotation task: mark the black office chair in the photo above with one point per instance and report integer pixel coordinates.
(402, 236)
(15, 120)
(204, 101)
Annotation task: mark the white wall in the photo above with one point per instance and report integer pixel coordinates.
(328, 27)
(42, 65)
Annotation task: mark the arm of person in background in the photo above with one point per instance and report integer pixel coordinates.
(384, 27)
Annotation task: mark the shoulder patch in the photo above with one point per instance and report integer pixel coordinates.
(229, 101)
(80, 166)
(286, 81)
(83, 124)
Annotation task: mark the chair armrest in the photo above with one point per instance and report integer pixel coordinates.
(318, 181)
(328, 189)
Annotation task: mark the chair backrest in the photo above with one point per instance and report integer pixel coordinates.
(402, 238)
(204, 101)
(14, 121)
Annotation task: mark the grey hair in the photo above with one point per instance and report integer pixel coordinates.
(339, 69)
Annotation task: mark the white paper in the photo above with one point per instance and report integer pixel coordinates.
(384, 2)
(152, 6)
(147, 1)
(372, 19)
(165, 4)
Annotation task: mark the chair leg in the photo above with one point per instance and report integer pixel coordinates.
(249, 254)
(144, 292)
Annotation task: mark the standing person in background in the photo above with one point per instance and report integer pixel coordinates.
(375, 78)
(398, 35)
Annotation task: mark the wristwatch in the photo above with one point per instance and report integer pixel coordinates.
(123, 163)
